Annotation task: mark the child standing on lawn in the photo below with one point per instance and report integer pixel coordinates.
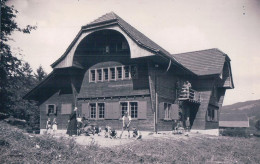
(54, 126)
(48, 125)
(126, 124)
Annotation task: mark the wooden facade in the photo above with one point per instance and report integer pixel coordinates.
(111, 67)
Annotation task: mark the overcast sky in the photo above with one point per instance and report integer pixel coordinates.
(178, 26)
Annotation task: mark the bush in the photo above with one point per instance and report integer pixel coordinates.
(234, 132)
(257, 125)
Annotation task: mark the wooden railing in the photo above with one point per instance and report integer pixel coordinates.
(189, 94)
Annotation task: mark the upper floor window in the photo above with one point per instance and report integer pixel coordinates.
(113, 73)
(134, 72)
(126, 72)
(105, 70)
(93, 75)
(99, 74)
(119, 72)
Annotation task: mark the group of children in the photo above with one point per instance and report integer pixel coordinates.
(179, 127)
(51, 126)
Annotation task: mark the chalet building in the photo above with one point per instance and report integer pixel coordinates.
(110, 67)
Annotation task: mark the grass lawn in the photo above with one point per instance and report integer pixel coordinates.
(19, 147)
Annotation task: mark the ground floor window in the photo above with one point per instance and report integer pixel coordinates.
(212, 114)
(50, 109)
(130, 107)
(93, 110)
(97, 110)
(101, 110)
(167, 110)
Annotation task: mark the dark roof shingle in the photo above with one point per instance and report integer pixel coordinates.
(204, 62)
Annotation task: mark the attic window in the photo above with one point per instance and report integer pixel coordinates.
(107, 49)
(221, 75)
(134, 72)
(124, 45)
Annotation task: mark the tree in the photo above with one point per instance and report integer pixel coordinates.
(10, 65)
(257, 125)
(40, 74)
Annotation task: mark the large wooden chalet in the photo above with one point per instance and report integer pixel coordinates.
(110, 67)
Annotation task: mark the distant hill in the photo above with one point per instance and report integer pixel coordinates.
(251, 108)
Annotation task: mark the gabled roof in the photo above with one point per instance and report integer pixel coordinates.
(204, 62)
(130, 30)
(138, 37)
(233, 117)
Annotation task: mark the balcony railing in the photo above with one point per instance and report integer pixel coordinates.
(190, 95)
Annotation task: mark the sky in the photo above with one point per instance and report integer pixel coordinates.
(178, 26)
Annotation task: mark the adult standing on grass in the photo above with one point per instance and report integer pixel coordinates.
(72, 127)
(126, 124)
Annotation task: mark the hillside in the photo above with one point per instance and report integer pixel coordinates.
(16, 146)
(251, 108)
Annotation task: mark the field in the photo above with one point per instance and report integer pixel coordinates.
(16, 146)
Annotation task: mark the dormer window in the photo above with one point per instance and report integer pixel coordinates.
(107, 49)
(221, 75)
(124, 45)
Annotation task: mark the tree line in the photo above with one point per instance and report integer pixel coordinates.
(16, 75)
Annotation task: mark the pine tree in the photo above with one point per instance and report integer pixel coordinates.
(40, 74)
(10, 65)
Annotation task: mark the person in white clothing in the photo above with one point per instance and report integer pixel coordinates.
(126, 124)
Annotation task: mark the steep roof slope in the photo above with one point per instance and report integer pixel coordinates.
(134, 33)
(204, 62)
(138, 37)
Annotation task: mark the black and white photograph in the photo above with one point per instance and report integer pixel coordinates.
(140, 81)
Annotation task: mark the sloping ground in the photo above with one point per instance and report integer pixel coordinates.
(19, 147)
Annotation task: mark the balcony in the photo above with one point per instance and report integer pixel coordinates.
(188, 94)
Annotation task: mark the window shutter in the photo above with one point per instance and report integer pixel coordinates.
(66, 108)
(215, 115)
(47, 112)
(85, 110)
(142, 109)
(112, 110)
(161, 113)
(55, 109)
(175, 111)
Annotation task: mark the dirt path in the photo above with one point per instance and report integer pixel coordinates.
(107, 142)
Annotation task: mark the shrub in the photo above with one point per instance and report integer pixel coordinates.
(257, 125)
(235, 132)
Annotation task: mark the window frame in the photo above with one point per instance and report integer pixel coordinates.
(104, 75)
(167, 110)
(54, 109)
(97, 111)
(211, 116)
(117, 73)
(136, 71)
(110, 74)
(91, 76)
(99, 73)
(124, 72)
(129, 110)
